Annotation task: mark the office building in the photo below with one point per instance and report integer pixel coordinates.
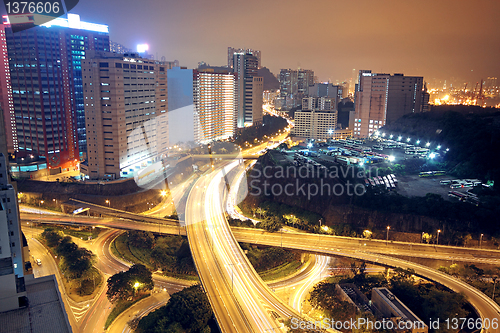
(383, 98)
(294, 85)
(126, 113)
(211, 92)
(48, 98)
(231, 51)
(6, 100)
(249, 90)
(12, 262)
(118, 48)
(317, 119)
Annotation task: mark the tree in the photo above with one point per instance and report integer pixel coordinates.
(141, 239)
(52, 237)
(78, 262)
(123, 285)
(119, 287)
(186, 311)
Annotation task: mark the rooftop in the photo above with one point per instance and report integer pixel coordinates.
(45, 312)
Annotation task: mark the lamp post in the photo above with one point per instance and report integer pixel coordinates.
(387, 237)
(481, 240)
(437, 240)
(109, 203)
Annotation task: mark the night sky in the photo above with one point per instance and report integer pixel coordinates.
(435, 39)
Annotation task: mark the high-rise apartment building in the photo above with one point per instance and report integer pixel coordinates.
(12, 264)
(383, 98)
(209, 94)
(46, 82)
(317, 119)
(294, 84)
(118, 48)
(249, 90)
(126, 107)
(231, 51)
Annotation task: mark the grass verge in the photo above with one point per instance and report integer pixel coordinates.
(119, 308)
(121, 248)
(282, 271)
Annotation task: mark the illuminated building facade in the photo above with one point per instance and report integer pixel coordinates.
(6, 100)
(214, 103)
(249, 90)
(202, 103)
(118, 48)
(46, 83)
(126, 105)
(294, 85)
(317, 119)
(384, 98)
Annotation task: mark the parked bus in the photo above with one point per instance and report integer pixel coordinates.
(425, 174)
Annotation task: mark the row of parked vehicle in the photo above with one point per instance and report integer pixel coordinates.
(465, 197)
(461, 183)
(389, 181)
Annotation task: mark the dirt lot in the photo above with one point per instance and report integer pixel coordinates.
(414, 186)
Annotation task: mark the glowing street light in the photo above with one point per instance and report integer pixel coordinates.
(391, 136)
(109, 203)
(408, 140)
(438, 147)
(163, 193)
(427, 144)
(387, 237)
(383, 135)
(418, 142)
(399, 138)
(391, 158)
(432, 155)
(437, 240)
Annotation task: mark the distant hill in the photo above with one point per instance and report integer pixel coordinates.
(270, 81)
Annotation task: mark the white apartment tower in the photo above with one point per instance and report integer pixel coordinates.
(12, 286)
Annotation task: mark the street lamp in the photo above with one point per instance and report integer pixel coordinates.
(387, 237)
(437, 241)
(109, 203)
(427, 144)
(481, 240)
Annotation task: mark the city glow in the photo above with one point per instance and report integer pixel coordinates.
(141, 48)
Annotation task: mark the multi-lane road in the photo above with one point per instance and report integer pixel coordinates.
(241, 301)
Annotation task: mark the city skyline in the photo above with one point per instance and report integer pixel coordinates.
(453, 39)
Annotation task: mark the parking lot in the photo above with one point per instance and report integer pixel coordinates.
(414, 186)
(409, 185)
